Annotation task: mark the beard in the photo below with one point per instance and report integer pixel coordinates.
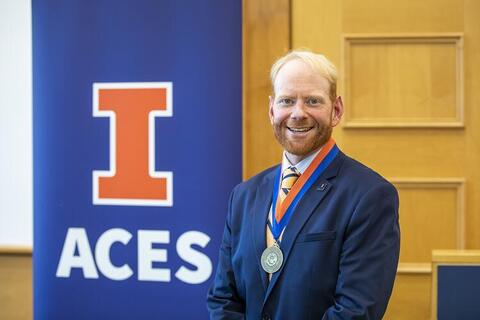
(317, 137)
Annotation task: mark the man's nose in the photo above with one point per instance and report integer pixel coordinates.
(298, 111)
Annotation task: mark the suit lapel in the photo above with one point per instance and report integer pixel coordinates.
(261, 208)
(311, 199)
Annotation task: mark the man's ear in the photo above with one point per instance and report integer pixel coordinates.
(337, 111)
(270, 109)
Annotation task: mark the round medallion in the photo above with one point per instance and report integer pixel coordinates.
(272, 259)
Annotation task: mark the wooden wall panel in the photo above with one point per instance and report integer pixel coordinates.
(403, 80)
(429, 208)
(471, 162)
(328, 18)
(393, 16)
(450, 148)
(266, 37)
(410, 298)
(16, 297)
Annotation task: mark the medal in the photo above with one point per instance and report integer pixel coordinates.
(272, 258)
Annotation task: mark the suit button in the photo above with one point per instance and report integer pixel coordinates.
(266, 317)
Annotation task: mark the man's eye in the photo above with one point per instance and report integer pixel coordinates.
(285, 101)
(313, 101)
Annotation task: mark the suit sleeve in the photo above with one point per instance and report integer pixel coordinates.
(369, 257)
(223, 301)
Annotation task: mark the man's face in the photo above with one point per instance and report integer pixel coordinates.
(301, 112)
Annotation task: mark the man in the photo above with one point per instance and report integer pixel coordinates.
(316, 237)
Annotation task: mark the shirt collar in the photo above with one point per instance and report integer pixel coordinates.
(302, 165)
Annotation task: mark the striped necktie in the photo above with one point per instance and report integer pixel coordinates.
(289, 176)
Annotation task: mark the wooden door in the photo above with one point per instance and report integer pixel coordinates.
(410, 79)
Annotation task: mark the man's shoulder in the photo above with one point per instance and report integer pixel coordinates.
(355, 173)
(247, 191)
(261, 178)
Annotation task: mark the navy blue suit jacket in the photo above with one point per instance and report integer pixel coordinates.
(340, 247)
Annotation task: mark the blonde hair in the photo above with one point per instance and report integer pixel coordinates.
(317, 62)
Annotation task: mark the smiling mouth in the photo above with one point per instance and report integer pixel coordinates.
(299, 129)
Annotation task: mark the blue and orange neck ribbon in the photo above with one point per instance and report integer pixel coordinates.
(282, 212)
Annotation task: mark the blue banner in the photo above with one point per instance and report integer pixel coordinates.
(137, 144)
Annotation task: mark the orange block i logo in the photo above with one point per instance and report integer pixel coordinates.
(131, 178)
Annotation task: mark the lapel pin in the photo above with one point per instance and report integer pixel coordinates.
(322, 186)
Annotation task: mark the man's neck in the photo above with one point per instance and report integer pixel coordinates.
(294, 159)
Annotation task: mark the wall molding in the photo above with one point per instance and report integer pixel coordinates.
(15, 250)
(417, 268)
(458, 184)
(456, 39)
